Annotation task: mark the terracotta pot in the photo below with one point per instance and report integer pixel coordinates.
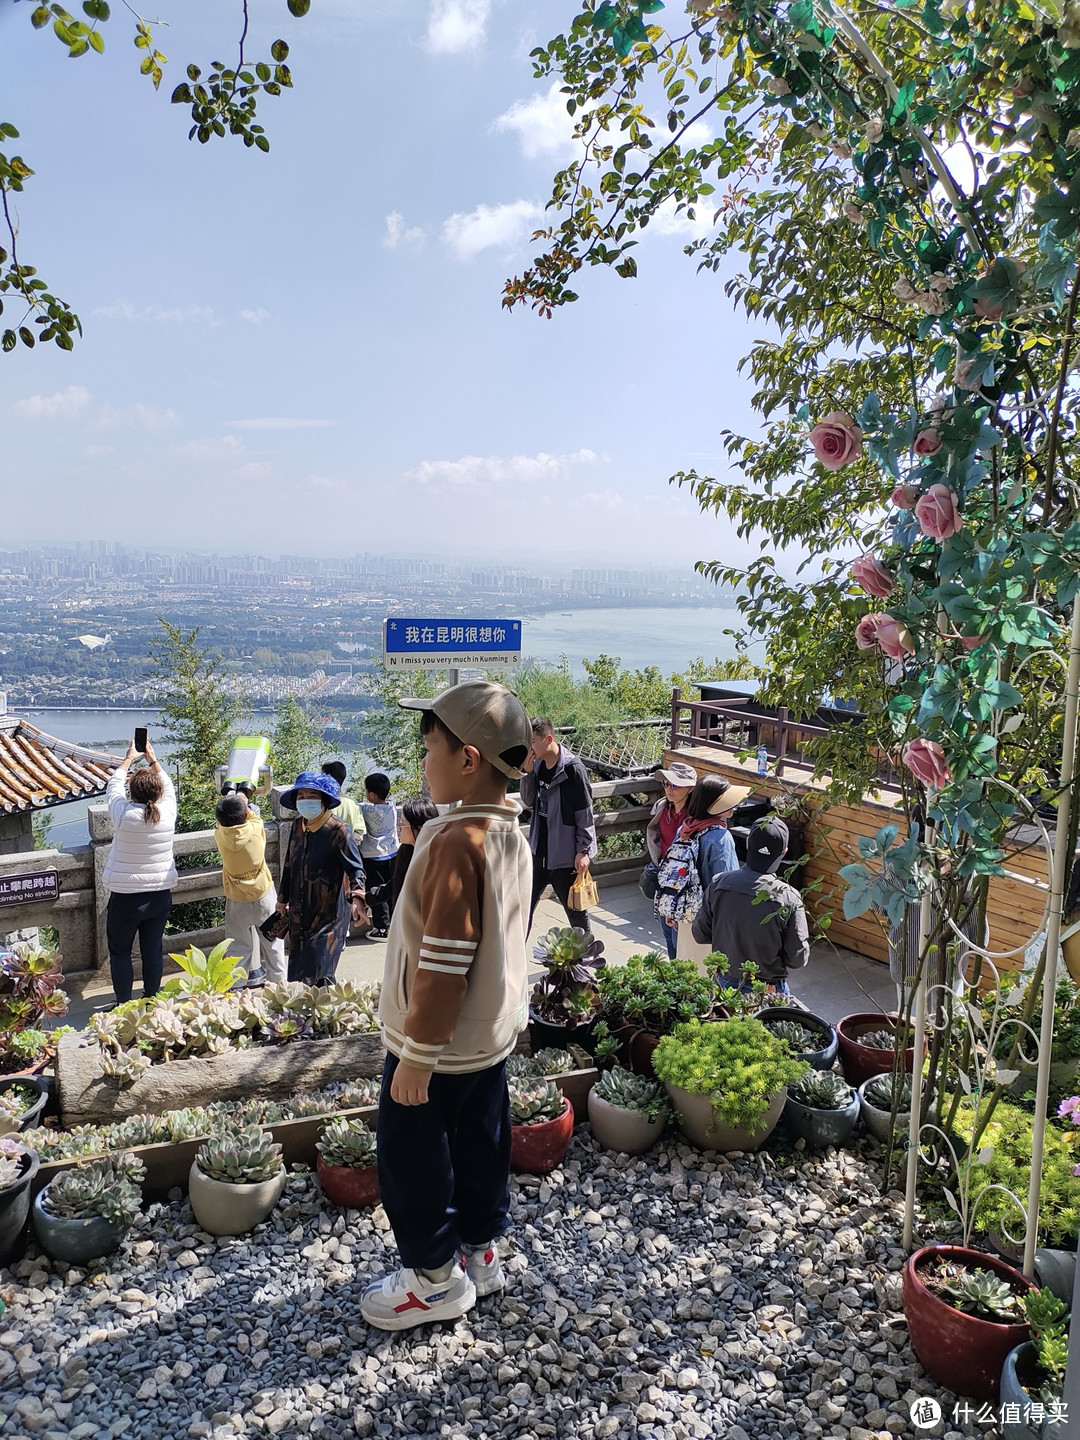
(824, 1055)
(29, 1118)
(862, 1062)
(538, 1149)
(35, 1069)
(354, 1188)
(628, 1131)
(637, 1049)
(821, 1128)
(15, 1208)
(76, 1241)
(224, 1209)
(703, 1129)
(959, 1351)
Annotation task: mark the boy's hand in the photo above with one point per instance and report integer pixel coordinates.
(410, 1085)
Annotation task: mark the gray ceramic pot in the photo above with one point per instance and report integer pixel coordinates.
(705, 1130)
(30, 1117)
(627, 1131)
(76, 1241)
(1056, 1269)
(821, 1128)
(15, 1207)
(223, 1209)
(823, 1056)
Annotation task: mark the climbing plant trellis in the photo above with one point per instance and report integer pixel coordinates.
(901, 182)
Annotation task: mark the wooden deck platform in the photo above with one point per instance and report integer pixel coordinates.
(1016, 901)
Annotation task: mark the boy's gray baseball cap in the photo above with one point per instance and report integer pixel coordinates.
(486, 716)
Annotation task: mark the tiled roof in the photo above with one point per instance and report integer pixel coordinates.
(38, 770)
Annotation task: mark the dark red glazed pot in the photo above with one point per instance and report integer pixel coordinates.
(637, 1049)
(348, 1186)
(959, 1351)
(861, 1062)
(538, 1149)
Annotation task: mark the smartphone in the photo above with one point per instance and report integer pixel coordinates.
(140, 739)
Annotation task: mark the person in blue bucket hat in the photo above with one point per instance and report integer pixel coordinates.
(322, 880)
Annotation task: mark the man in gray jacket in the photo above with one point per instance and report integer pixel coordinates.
(753, 917)
(562, 833)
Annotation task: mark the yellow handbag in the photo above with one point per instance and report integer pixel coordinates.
(583, 892)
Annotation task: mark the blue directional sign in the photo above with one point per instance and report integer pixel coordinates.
(432, 644)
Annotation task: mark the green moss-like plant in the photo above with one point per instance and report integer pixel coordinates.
(737, 1063)
(654, 994)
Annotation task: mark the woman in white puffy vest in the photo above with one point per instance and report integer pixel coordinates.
(140, 871)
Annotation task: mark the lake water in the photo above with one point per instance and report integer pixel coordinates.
(671, 638)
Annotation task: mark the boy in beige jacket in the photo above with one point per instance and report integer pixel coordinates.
(454, 999)
(250, 897)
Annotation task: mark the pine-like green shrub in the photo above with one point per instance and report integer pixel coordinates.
(737, 1063)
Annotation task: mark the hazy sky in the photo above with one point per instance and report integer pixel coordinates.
(305, 350)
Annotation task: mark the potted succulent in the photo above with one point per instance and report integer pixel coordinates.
(346, 1164)
(18, 1166)
(543, 1063)
(21, 1103)
(628, 1112)
(868, 1045)
(86, 1212)
(29, 993)
(807, 1036)
(821, 1109)
(1035, 1371)
(565, 1003)
(644, 1000)
(542, 1125)
(727, 1081)
(236, 1179)
(964, 1313)
(881, 1098)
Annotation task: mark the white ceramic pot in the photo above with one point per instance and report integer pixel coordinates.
(879, 1122)
(708, 1132)
(628, 1131)
(224, 1209)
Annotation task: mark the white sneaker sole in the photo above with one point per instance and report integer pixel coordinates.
(489, 1287)
(409, 1319)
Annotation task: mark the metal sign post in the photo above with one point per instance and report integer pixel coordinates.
(450, 644)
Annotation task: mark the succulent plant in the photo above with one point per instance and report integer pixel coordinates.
(878, 1040)
(191, 1123)
(822, 1090)
(355, 1094)
(239, 1155)
(980, 1292)
(16, 1098)
(534, 1101)
(13, 1159)
(519, 1066)
(738, 1063)
(568, 993)
(654, 994)
(633, 1092)
(109, 1187)
(1048, 1318)
(552, 1062)
(799, 1039)
(348, 1143)
(878, 1092)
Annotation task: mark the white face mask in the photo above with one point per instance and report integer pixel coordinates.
(309, 809)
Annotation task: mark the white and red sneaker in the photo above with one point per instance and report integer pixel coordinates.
(409, 1297)
(484, 1269)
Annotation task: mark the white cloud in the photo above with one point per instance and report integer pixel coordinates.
(137, 416)
(474, 471)
(280, 422)
(256, 316)
(52, 407)
(490, 225)
(398, 233)
(541, 124)
(175, 314)
(226, 447)
(455, 26)
(254, 470)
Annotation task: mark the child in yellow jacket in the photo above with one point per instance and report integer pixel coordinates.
(250, 896)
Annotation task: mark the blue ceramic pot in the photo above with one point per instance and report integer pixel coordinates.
(15, 1207)
(820, 1128)
(76, 1241)
(1019, 1362)
(823, 1057)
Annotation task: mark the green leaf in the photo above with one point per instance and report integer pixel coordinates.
(279, 50)
(38, 19)
(96, 9)
(96, 41)
(299, 8)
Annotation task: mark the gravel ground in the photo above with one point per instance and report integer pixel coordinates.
(674, 1295)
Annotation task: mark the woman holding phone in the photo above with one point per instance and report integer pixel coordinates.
(140, 871)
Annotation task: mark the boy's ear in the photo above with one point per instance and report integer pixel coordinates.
(473, 759)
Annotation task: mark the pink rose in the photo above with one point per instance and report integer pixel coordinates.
(837, 440)
(904, 497)
(894, 638)
(873, 577)
(927, 442)
(938, 513)
(962, 376)
(866, 630)
(972, 642)
(926, 761)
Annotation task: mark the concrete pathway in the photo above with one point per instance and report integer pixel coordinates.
(837, 982)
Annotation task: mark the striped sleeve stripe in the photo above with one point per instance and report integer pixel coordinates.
(449, 944)
(423, 1056)
(464, 961)
(421, 1048)
(443, 969)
